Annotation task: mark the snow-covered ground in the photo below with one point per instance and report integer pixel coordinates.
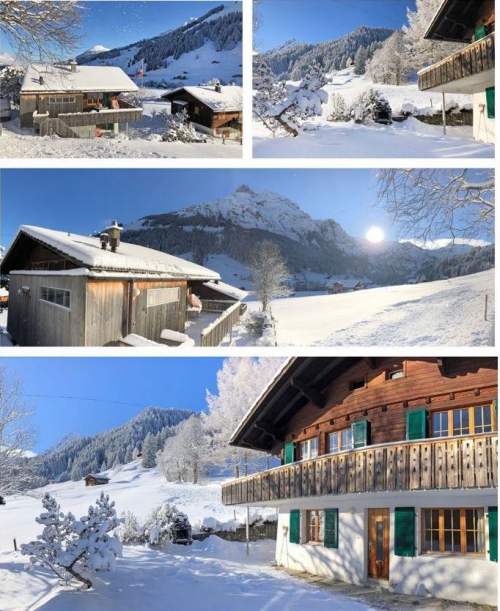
(442, 313)
(214, 575)
(409, 139)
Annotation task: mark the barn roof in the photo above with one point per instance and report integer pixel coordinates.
(60, 78)
(229, 99)
(86, 251)
(97, 476)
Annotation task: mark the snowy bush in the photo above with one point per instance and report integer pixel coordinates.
(178, 128)
(255, 321)
(156, 528)
(76, 549)
(338, 110)
(129, 531)
(362, 107)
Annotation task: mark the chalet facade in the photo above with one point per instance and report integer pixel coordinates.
(389, 471)
(73, 290)
(471, 70)
(216, 110)
(96, 480)
(76, 101)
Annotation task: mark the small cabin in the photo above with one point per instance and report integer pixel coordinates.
(216, 110)
(347, 286)
(96, 480)
(82, 98)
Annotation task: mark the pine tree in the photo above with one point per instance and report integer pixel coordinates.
(360, 60)
(268, 93)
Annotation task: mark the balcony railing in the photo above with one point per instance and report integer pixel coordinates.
(213, 335)
(474, 59)
(437, 464)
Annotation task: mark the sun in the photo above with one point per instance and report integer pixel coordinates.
(375, 235)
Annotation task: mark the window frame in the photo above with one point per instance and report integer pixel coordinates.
(319, 526)
(340, 445)
(357, 384)
(54, 303)
(471, 412)
(389, 374)
(463, 531)
(308, 442)
(152, 293)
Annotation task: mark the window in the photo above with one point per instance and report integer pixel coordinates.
(309, 449)
(156, 297)
(62, 100)
(395, 375)
(340, 441)
(196, 110)
(59, 297)
(463, 421)
(455, 530)
(315, 524)
(354, 384)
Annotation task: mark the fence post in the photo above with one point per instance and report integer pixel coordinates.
(486, 307)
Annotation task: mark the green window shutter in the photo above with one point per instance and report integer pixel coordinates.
(417, 424)
(490, 102)
(480, 32)
(361, 433)
(495, 407)
(289, 452)
(295, 526)
(404, 531)
(493, 528)
(331, 528)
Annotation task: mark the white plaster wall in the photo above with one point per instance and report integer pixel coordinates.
(461, 578)
(483, 128)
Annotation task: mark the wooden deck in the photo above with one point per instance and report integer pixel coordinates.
(430, 464)
(473, 60)
(213, 335)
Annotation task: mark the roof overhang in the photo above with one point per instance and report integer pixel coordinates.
(454, 21)
(300, 381)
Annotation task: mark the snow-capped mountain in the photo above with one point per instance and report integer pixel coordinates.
(222, 234)
(292, 59)
(196, 52)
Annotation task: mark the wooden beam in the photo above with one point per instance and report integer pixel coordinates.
(441, 363)
(371, 361)
(310, 393)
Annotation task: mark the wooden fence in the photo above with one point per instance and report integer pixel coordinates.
(83, 119)
(474, 59)
(213, 335)
(437, 464)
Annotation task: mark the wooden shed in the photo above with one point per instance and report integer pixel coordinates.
(93, 479)
(216, 110)
(79, 96)
(67, 290)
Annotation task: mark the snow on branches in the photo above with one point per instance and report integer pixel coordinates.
(76, 549)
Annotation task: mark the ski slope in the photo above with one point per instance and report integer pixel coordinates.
(443, 313)
(408, 139)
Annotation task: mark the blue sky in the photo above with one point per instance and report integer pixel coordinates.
(137, 382)
(319, 20)
(82, 201)
(115, 24)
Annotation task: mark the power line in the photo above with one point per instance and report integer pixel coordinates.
(85, 399)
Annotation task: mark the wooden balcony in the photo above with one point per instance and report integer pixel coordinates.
(213, 335)
(470, 63)
(102, 117)
(430, 464)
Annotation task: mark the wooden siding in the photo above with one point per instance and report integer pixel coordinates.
(150, 322)
(27, 106)
(205, 115)
(476, 58)
(54, 110)
(103, 117)
(385, 402)
(42, 323)
(437, 464)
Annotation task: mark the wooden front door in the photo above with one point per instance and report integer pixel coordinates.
(25, 313)
(378, 543)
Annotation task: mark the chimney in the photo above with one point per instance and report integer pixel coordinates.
(73, 65)
(113, 232)
(104, 238)
(40, 79)
(218, 87)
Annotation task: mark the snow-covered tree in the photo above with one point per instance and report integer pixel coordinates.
(302, 102)
(430, 203)
(178, 128)
(269, 91)
(421, 52)
(239, 383)
(10, 81)
(389, 64)
(156, 528)
(362, 106)
(149, 450)
(269, 274)
(338, 109)
(16, 436)
(360, 60)
(40, 29)
(129, 531)
(76, 549)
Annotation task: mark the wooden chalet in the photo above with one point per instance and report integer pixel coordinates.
(75, 101)
(216, 110)
(347, 286)
(96, 480)
(73, 290)
(389, 471)
(471, 70)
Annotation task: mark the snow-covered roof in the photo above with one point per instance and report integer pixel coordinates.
(229, 99)
(97, 476)
(227, 289)
(87, 251)
(60, 78)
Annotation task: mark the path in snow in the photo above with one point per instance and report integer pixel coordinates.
(442, 313)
